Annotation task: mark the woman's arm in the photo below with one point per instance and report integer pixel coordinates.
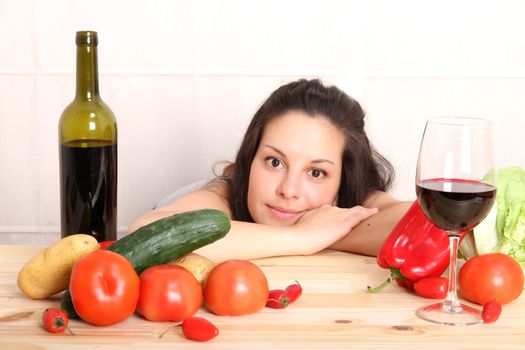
(368, 236)
(316, 230)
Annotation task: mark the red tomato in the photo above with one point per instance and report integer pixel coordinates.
(235, 287)
(489, 277)
(55, 320)
(104, 288)
(168, 293)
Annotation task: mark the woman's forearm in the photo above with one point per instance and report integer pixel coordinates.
(247, 240)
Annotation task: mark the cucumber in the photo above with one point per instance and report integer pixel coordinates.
(67, 305)
(167, 239)
(172, 237)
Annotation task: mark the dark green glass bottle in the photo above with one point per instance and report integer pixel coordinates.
(88, 153)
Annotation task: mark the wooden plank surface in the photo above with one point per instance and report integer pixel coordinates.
(335, 312)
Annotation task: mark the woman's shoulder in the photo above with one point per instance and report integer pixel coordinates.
(220, 186)
(213, 194)
(380, 200)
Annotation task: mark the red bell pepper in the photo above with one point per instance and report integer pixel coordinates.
(415, 249)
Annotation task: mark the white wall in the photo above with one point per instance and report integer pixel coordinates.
(184, 78)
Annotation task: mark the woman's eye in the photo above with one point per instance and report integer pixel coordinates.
(274, 162)
(317, 173)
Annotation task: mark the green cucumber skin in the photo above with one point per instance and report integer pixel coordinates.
(66, 304)
(172, 237)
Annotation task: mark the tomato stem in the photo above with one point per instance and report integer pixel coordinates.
(59, 322)
(70, 331)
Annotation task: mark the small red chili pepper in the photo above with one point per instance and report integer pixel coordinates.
(199, 329)
(294, 291)
(491, 311)
(432, 287)
(55, 320)
(105, 244)
(278, 299)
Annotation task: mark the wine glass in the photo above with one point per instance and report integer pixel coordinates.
(455, 187)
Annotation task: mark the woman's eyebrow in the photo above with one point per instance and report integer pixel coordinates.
(276, 150)
(281, 153)
(323, 161)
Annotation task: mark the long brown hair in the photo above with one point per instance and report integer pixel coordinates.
(364, 169)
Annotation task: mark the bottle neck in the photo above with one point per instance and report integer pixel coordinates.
(87, 73)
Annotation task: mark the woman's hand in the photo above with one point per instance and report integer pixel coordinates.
(367, 237)
(319, 228)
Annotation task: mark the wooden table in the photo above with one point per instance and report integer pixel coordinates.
(335, 312)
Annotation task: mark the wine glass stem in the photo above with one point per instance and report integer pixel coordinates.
(451, 303)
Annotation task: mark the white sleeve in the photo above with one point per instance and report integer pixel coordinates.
(172, 197)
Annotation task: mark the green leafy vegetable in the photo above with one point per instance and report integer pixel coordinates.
(503, 230)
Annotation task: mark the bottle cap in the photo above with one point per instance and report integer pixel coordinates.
(86, 38)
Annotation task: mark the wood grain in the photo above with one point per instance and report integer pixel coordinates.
(335, 312)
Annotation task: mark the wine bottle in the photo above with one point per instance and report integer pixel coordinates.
(88, 153)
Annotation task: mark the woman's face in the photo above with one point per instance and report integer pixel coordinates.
(297, 167)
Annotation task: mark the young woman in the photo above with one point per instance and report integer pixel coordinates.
(305, 178)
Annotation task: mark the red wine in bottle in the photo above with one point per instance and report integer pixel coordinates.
(88, 153)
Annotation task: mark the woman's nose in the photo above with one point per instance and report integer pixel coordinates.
(290, 186)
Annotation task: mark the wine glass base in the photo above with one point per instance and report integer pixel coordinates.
(437, 313)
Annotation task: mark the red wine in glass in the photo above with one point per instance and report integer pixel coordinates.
(455, 205)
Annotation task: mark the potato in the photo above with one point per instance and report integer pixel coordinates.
(198, 265)
(48, 272)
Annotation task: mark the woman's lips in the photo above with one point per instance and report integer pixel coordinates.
(284, 214)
